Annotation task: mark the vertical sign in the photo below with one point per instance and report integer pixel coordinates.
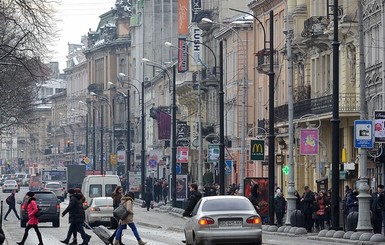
(212, 153)
(196, 35)
(182, 156)
(183, 17)
(196, 8)
(379, 126)
(229, 166)
(182, 55)
(309, 144)
(363, 134)
(257, 150)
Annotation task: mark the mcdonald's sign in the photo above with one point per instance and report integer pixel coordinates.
(257, 150)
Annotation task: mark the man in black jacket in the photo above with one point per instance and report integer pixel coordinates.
(11, 205)
(307, 202)
(76, 217)
(376, 210)
(193, 199)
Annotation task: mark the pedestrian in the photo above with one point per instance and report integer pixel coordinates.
(328, 215)
(157, 191)
(11, 201)
(128, 202)
(381, 201)
(376, 210)
(193, 199)
(352, 202)
(320, 214)
(76, 217)
(279, 207)
(297, 200)
(75, 232)
(148, 198)
(33, 221)
(165, 192)
(117, 195)
(307, 201)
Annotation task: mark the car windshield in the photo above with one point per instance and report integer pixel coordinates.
(10, 182)
(44, 196)
(226, 205)
(53, 186)
(102, 202)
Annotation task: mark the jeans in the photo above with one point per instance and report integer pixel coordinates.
(118, 235)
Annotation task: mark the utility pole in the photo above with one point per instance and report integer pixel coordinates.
(364, 223)
(221, 123)
(291, 204)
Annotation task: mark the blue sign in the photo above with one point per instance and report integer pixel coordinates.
(152, 163)
(363, 134)
(178, 168)
(228, 167)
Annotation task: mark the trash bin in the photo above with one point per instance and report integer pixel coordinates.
(352, 221)
(297, 219)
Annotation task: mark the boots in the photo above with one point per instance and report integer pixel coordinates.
(140, 242)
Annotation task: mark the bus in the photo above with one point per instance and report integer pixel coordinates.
(54, 174)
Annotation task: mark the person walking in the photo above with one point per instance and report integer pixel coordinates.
(148, 198)
(193, 199)
(376, 210)
(33, 221)
(11, 201)
(128, 202)
(76, 217)
(279, 207)
(75, 232)
(307, 201)
(165, 191)
(117, 195)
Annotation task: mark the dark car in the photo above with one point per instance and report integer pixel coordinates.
(49, 205)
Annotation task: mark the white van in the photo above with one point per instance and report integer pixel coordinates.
(99, 186)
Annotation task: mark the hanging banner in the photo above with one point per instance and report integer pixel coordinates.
(121, 156)
(182, 156)
(212, 153)
(309, 144)
(182, 55)
(379, 126)
(196, 8)
(183, 20)
(257, 150)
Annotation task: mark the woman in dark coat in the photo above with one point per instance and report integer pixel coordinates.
(148, 198)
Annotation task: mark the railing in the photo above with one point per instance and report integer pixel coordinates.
(317, 106)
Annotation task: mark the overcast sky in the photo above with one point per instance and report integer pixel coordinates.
(77, 17)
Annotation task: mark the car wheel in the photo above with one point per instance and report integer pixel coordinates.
(56, 223)
(259, 242)
(23, 223)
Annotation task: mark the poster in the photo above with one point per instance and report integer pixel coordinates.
(263, 197)
(182, 156)
(379, 126)
(181, 187)
(309, 142)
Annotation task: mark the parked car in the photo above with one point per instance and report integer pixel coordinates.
(224, 219)
(99, 211)
(10, 185)
(56, 188)
(25, 180)
(50, 207)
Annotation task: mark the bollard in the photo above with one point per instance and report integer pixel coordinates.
(297, 219)
(352, 221)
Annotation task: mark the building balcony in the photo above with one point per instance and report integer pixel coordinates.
(263, 60)
(348, 102)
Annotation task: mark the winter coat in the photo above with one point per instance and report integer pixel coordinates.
(322, 207)
(193, 199)
(352, 203)
(116, 197)
(148, 197)
(75, 209)
(12, 201)
(32, 211)
(128, 204)
(279, 204)
(307, 203)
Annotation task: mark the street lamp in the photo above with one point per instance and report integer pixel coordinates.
(243, 128)
(173, 129)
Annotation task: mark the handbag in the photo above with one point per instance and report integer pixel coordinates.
(120, 212)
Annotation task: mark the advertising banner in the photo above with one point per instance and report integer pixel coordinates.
(257, 150)
(379, 126)
(181, 187)
(182, 156)
(121, 156)
(309, 144)
(182, 55)
(196, 8)
(183, 20)
(212, 153)
(263, 194)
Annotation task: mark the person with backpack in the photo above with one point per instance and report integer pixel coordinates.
(33, 221)
(11, 201)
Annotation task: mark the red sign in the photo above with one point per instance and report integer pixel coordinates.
(182, 156)
(182, 55)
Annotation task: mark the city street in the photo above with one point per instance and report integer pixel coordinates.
(155, 227)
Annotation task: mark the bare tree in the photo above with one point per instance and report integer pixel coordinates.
(27, 30)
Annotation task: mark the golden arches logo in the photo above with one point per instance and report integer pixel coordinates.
(257, 148)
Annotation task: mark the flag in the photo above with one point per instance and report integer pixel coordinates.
(164, 125)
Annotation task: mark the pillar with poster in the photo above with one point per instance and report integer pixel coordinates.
(256, 189)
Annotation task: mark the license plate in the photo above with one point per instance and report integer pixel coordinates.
(230, 222)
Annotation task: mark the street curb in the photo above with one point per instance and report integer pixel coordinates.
(345, 241)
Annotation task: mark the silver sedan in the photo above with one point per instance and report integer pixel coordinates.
(224, 219)
(99, 211)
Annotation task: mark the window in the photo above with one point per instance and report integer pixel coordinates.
(109, 189)
(95, 191)
(228, 204)
(102, 202)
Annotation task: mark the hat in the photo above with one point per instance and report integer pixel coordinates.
(71, 191)
(30, 194)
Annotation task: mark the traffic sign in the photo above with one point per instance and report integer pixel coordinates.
(363, 134)
(152, 163)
